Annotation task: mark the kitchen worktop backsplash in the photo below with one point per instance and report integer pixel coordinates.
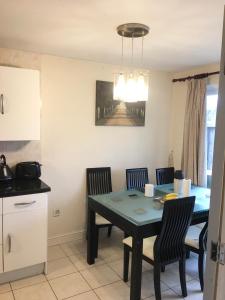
(17, 151)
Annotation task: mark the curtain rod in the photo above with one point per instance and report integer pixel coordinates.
(197, 76)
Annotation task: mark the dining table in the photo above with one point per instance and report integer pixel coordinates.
(139, 217)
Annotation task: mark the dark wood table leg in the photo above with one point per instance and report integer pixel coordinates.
(136, 269)
(91, 245)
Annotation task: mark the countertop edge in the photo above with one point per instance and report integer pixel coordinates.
(25, 187)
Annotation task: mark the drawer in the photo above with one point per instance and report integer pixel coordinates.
(24, 203)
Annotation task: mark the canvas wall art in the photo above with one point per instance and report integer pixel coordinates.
(109, 112)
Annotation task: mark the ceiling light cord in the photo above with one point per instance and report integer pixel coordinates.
(132, 53)
(122, 55)
(142, 52)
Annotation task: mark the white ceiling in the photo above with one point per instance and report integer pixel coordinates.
(183, 33)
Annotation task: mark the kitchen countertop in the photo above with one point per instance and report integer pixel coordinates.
(19, 187)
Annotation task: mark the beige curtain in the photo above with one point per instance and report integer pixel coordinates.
(194, 141)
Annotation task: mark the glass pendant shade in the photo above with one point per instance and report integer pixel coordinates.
(119, 87)
(131, 88)
(142, 87)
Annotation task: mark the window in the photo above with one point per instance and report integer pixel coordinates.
(211, 104)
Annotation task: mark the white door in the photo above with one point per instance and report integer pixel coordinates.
(25, 233)
(19, 104)
(215, 272)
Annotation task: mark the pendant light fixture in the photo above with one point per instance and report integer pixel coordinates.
(131, 86)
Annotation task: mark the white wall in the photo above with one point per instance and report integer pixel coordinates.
(179, 93)
(70, 142)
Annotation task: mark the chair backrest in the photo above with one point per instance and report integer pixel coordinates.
(164, 175)
(169, 245)
(203, 237)
(136, 178)
(99, 181)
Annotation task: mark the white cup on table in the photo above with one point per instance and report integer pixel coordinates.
(178, 186)
(149, 190)
(187, 187)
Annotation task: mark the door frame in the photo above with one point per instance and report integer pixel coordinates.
(215, 273)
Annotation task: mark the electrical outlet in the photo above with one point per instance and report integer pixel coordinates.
(56, 212)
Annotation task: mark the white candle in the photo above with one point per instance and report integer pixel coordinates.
(178, 186)
(187, 187)
(149, 190)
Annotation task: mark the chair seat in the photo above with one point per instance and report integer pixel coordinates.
(192, 237)
(99, 220)
(148, 245)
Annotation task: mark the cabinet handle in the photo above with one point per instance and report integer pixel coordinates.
(24, 203)
(2, 104)
(9, 243)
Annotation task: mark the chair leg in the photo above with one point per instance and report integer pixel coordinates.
(96, 241)
(163, 269)
(126, 257)
(182, 272)
(157, 270)
(201, 269)
(109, 230)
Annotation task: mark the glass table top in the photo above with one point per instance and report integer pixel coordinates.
(141, 210)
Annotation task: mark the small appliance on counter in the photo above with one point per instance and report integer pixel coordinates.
(5, 172)
(28, 170)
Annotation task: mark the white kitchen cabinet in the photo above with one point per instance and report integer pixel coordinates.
(19, 104)
(24, 231)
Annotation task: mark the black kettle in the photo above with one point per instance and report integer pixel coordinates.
(5, 172)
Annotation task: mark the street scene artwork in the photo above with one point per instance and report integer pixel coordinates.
(109, 112)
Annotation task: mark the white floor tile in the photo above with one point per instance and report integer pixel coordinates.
(147, 286)
(69, 285)
(18, 284)
(60, 267)
(193, 289)
(117, 266)
(5, 287)
(80, 262)
(66, 260)
(7, 296)
(171, 275)
(99, 276)
(111, 253)
(55, 252)
(118, 290)
(70, 248)
(85, 296)
(167, 295)
(40, 291)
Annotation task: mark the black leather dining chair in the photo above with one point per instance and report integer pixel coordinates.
(99, 182)
(168, 246)
(196, 241)
(164, 175)
(136, 178)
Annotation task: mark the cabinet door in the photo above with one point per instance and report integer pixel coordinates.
(25, 238)
(19, 104)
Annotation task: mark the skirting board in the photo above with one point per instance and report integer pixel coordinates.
(65, 238)
(75, 236)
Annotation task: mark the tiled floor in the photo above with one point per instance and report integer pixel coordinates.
(70, 277)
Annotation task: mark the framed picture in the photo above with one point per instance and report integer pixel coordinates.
(109, 112)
